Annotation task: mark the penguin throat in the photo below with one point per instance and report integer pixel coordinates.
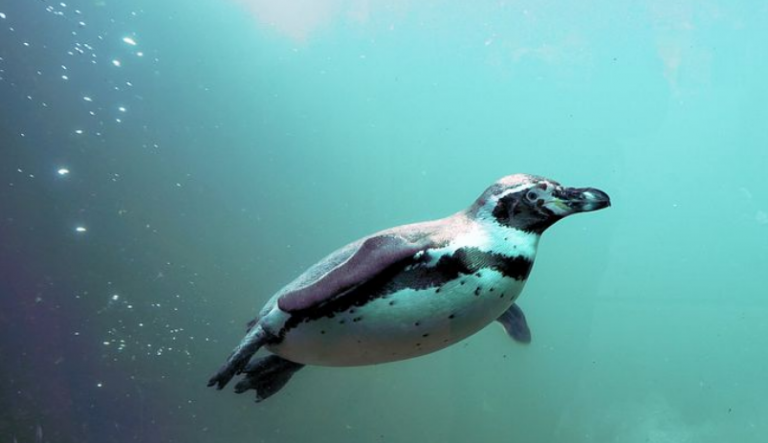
(488, 235)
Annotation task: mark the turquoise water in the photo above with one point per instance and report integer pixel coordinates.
(165, 168)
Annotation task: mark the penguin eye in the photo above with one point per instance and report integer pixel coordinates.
(532, 196)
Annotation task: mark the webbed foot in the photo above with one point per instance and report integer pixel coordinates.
(239, 358)
(267, 376)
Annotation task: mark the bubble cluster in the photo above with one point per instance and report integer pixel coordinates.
(89, 73)
(74, 57)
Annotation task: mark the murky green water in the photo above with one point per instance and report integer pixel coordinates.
(165, 168)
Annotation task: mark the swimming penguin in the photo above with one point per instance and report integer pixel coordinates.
(409, 290)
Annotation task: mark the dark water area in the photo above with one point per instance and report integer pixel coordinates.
(165, 167)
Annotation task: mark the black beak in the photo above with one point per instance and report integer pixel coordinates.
(585, 199)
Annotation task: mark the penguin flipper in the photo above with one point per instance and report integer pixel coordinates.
(350, 267)
(515, 324)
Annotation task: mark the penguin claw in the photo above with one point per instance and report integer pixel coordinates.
(221, 378)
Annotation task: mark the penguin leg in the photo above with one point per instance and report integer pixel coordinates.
(239, 358)
(267, 375)
(515, 324)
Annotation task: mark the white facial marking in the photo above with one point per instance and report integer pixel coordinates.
(523, 187)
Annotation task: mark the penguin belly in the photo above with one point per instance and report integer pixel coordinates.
(400, 325)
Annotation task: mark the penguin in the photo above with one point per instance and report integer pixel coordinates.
(410, 290)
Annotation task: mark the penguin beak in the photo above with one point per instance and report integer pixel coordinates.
(573, 200)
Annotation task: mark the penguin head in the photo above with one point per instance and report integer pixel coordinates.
(531, 203)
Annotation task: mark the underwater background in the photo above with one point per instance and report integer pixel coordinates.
(166, 166)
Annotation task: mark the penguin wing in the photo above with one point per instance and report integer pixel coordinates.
(514, 322)
(349, 267)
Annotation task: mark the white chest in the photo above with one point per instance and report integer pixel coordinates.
(415, 321)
